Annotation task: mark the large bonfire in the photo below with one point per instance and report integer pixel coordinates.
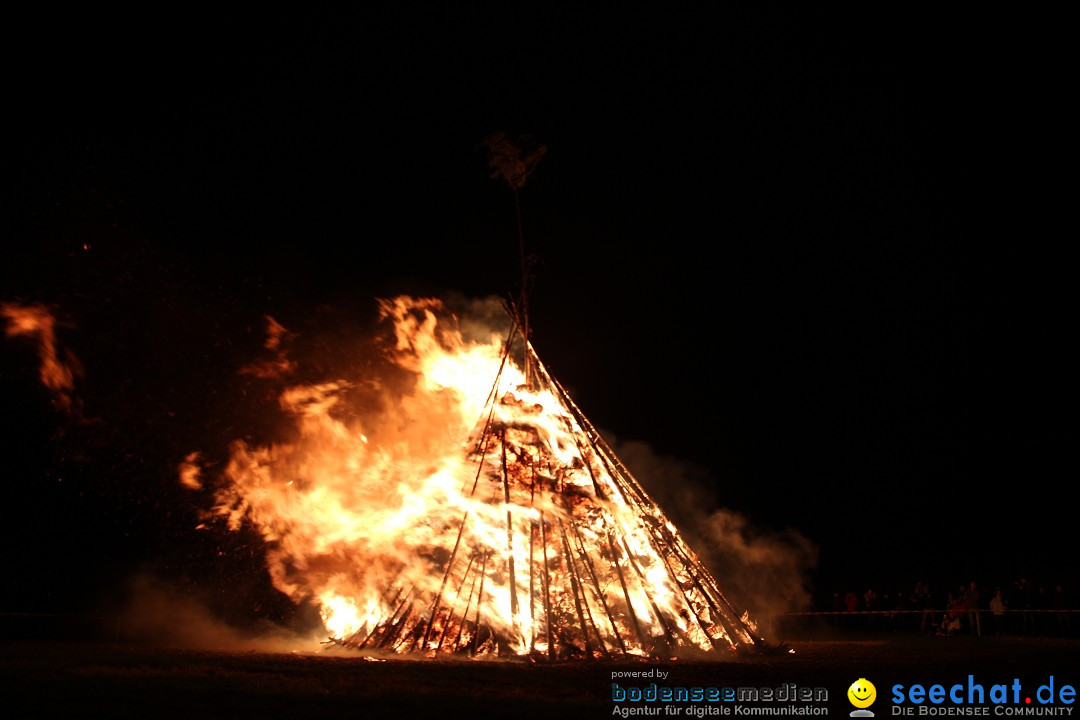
(488, 519)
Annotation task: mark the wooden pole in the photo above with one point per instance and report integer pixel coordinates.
(547, 590)
(574, 586)
(464, 615)
(446, 625)
(479, 603)
(600, 595)
(509, 538)
(626, 591)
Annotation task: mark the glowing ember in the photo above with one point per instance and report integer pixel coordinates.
(483, 515)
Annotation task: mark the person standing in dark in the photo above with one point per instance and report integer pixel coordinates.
(973, 602)
(870, 603)
(1023, 603)
(922, 599)
(997, 608)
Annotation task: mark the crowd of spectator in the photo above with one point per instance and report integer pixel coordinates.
(1017, 608)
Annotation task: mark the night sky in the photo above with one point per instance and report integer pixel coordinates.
(819, 257)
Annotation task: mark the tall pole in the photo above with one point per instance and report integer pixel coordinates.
(513, 160)
(523, 300)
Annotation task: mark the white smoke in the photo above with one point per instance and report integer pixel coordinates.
(761, 570)
(161, 613)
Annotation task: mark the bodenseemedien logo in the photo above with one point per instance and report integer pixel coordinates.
(862, 694)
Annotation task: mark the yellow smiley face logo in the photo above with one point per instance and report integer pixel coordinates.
(862, 693)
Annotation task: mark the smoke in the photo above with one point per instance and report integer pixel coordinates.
(161, 613)
(762, 570)
(478, 318)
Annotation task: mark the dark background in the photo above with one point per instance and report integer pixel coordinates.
(818, 255)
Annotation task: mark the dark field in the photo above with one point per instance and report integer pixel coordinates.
(123, 681)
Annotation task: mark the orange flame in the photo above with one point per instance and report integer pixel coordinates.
(37, 322)
(481, 514)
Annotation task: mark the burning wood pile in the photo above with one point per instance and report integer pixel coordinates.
(488, 519)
